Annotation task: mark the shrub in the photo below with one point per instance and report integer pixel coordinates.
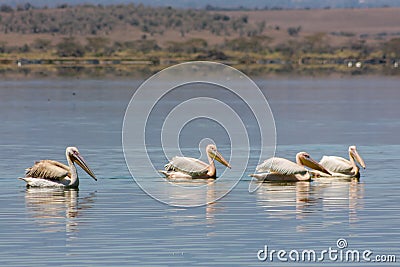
(70, 48)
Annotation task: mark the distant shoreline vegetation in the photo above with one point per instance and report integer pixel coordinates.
(218, 4)
(96, 38)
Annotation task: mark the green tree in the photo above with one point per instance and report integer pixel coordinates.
(316, 43)
(25, 48)
(3, 47)
(255, 44)
(97, 44)
(41, 44)
(289, 49)
(146, 46)
(294, 31)
(6, 8)
(70, 48)
(392, 48)
(194, 45)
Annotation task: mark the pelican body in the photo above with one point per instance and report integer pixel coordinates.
(283, 170)
(51, 173)
(341, 167)
(186, 167)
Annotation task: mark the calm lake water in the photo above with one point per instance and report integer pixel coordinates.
(112, 222)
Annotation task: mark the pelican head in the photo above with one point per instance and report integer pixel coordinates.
(214, 154)
(354, 154)
(304, 159)
(75, 156)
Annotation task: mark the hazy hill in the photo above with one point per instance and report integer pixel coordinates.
(129, 34)
(122, 23)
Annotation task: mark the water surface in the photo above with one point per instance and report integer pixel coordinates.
(112, 222)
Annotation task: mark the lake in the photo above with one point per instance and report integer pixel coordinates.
(112, 222)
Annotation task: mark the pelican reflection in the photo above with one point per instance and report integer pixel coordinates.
(56, 209)
(337, 197)
(285, 200)
(203, 199)
(341, 194)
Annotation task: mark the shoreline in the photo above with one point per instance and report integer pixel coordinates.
(143, 72)
(137, 70)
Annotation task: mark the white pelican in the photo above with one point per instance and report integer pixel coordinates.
(51, 173)
(340, 167)
(185, 167)
(280, 169)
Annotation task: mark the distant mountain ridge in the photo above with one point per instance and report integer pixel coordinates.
(251, 4)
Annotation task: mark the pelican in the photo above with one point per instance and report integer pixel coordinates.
(340, 167)
(185, 167)
(280, 169)
(51, 173)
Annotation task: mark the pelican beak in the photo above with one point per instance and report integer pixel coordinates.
(82, 163)
(357, 157)
(216, 155)
(313, 164)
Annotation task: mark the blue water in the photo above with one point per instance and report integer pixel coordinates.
(112, 222)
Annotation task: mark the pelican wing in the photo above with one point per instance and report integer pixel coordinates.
(191, 166)
(336, 164)
(281, 166)
(48, 169)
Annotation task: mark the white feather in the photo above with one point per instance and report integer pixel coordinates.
(281, 166)
(336, 164)
(191, 166)
(48, 169)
